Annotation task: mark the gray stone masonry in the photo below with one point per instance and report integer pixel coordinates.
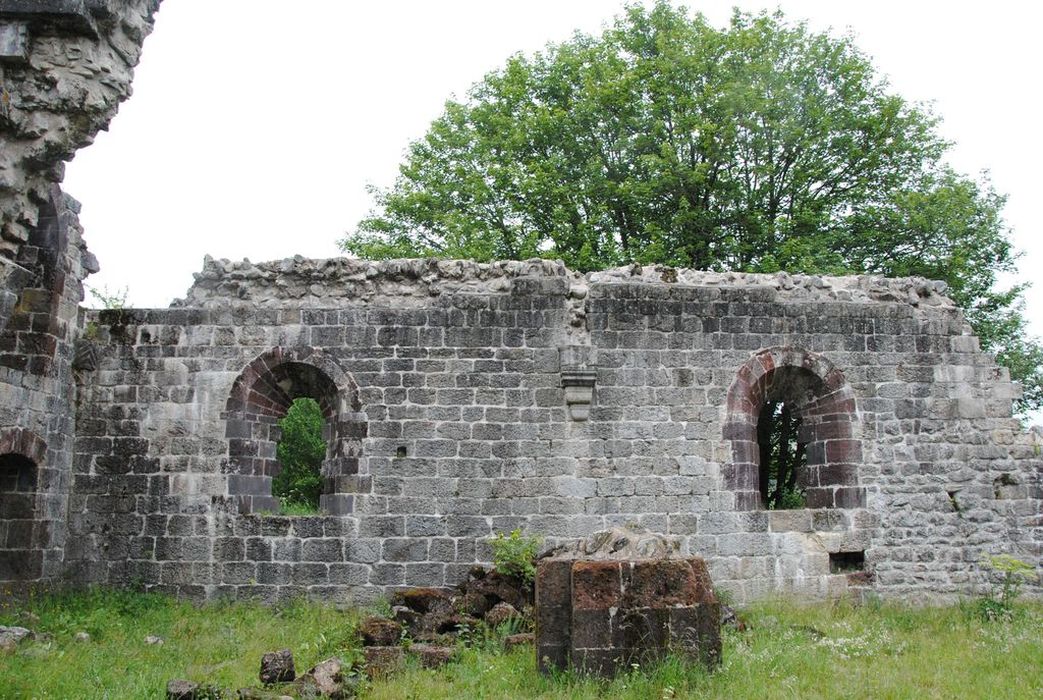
(37, 394)
(137, 447)
(65, 65)
(464, 400)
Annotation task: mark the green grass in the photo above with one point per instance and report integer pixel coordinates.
(297, 508)
(217, 643)
(821, 651)
(791, 651)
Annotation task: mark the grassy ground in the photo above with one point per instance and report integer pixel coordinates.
(824, 651)
(220, 644)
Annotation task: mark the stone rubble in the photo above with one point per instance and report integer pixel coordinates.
(277, 667)
(11, 637)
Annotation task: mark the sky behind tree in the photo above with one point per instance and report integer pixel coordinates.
(254, 131)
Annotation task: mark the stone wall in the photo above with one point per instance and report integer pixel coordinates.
(138, 446)
(464, 400)
(37, 395)
(65, 65)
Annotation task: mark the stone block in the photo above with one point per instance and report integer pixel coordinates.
(600, 662)
(596, 585)
(381, 662)
(595, 629)
(646, 632)
(277, 667)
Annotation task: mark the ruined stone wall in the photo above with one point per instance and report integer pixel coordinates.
(463, 400)
(64, 67)
(37, 394)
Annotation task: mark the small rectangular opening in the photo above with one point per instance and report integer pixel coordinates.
(846, 562)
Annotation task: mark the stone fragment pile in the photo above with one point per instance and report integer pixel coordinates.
(427, 623)
(278, 676)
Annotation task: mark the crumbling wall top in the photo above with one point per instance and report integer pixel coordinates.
(65, 65)
(304, 282)
(313, 283)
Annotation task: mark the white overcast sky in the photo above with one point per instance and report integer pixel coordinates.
(256, 125)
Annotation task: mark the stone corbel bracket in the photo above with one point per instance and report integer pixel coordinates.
(578, 383)
(578, 378)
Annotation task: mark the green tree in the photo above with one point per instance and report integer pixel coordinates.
(759, 147)
(300, 452)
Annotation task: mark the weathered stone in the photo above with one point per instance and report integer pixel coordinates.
(277, 667)
(67, 87)
(434, 624)
(422, 600)
(614, 613)
(325, 679)
(179, 689)
(472, 603)
(520, 639)
(431, 656)
(621, 544)
(404, 616)
(379, 631)
(11, 637)
(501, 613)
(382, 662)
(498, 588)
(730, 618)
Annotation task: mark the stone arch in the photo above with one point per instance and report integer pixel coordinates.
(829, 427)
(260, 397)
(22, 453)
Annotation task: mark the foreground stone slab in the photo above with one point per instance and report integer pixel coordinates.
(326, 679)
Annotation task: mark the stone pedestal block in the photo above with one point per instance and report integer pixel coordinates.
(600, 617)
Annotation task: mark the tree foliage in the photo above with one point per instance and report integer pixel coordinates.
(782, 456)
(300, 453)
(759, 147)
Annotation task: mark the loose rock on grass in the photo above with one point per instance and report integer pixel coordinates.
(11, 637)
(277, 667)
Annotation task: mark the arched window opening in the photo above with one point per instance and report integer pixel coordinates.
(294, 435)
(782, 456)
(792, 424)
(301, 450)
(17, 511)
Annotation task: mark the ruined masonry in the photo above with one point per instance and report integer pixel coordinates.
(137, 447)
(614, 601)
